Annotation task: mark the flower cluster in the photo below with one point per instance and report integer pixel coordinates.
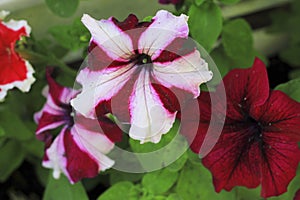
(14, 70)
(258, 143)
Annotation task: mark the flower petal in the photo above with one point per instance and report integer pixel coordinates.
(165, 28)
(149, 119)
(99, 86)
(186, 73)
(246, 88)
(15, 71)
(280, 160)
(116, 43)
(233, 161)
(280, 114)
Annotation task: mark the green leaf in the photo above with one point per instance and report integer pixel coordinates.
(174, 197)
(118, 176)
(2, 132)
(291, 88)
(148, 19)
(168, 150)
(199, 2)
(238, 42)
(62, 189)
(294, 74)
(159, 182)
(14, 127)
(117, 191)
(71, 37)
(178, 164)
(229, 1)
(11, 157)
(195, 182)
(205, 23)
(65, 8)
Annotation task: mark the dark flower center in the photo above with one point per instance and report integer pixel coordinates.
(256, 129)
(69, 114)
(143, 59)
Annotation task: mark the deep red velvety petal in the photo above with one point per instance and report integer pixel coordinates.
(13, 67)
(79, 163)
(279, 114)
(234, 161)
(110, 128)
(279, 164)
(246, 88)
(297, 195)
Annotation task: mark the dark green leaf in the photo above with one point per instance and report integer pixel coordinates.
(117, 191)
(294, 74)
(195, 182)
(65, 8)
(205, 23)
(291, 88)
(238, 42)
(160, 181)
(62, 189)
(14, 127)
(11, 156)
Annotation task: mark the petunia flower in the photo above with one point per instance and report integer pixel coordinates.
(258, 143)
(133, 65)
(170, 1)
(79, 149)
(14, 70)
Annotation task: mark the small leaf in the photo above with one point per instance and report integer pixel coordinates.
(291, 88)
(65, 8)
(174, 197)
(62, 189)
(195, 182)
(205, 23)
(11, 157)
(160, 181)
(238, 42)
(229, 1)
(117, 191)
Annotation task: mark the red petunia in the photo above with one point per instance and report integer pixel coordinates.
(258, 143)
(14, 70)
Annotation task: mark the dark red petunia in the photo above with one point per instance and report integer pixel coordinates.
(258, 143)
(14, 70)
(79, 150)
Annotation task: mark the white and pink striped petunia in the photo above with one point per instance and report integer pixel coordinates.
(79, 150)
(133, 66)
